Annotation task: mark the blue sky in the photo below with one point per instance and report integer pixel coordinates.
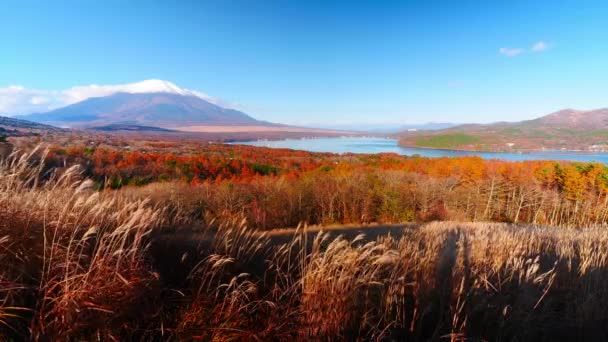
(311, 62)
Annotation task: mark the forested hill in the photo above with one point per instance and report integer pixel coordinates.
(567, 129)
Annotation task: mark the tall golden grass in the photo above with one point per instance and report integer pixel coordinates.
(75, 256)
(78, 264)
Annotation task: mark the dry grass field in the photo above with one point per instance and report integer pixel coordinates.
(80, 264)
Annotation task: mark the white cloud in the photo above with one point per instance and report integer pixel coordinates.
(540, 46)
(38, 100)
(15, 99)
(80, 93)
(510, 52)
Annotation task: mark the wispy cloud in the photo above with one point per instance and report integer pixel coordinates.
(540, 46)
(15, 99)
(510, 52)
(537, 47)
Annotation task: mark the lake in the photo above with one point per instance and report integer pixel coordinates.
(379, 145)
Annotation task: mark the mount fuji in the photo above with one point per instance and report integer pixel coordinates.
(154, 103)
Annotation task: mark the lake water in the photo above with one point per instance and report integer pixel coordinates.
(378, 145)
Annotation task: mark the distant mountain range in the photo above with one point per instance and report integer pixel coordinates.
(566, 129)
(388, 128)
(163, 109)
(432, 126)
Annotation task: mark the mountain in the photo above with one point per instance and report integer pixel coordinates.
(13, 123)
(568, 129)
(17, 127)
(162, 109)
(575, 119)
(431, 126)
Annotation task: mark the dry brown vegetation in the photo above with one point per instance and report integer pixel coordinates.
(80, 264)
(275, 188)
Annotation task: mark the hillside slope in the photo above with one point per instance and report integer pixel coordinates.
(17, 127)
(567, 129)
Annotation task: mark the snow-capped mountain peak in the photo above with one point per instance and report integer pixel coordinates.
(20, 100)
(154, 86)
(80, 93)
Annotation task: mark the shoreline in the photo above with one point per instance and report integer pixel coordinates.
(354, 135)
(422, 148)
(528, 151)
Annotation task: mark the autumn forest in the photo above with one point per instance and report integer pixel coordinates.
(145, 239)
(281, 188)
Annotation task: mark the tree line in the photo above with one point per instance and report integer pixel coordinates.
(279, 188)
